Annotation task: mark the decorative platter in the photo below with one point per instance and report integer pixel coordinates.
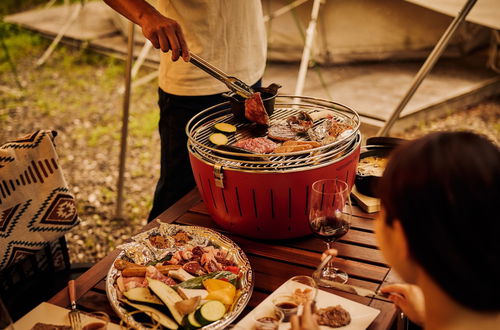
(144, 249)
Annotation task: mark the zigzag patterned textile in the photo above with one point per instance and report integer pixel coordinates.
(36, 206)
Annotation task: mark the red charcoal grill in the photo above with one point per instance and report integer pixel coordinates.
(266, 196)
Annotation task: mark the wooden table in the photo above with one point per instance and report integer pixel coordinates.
(273, 262)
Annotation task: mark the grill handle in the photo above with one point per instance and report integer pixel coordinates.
(218, 176)
(232, 83)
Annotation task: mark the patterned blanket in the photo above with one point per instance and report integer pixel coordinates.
(36, 206)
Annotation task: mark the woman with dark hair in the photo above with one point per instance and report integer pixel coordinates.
(440, 231)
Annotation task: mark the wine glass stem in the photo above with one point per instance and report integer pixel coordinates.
(329, 245)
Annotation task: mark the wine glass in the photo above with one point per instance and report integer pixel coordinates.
(330, 219)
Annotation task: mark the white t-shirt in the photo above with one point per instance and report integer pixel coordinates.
(229, 34)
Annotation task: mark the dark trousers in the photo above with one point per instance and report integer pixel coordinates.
(176, 177)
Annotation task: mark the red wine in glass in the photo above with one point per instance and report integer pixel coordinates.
(330, 219)
(329, 228)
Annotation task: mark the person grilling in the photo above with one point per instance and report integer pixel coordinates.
(228, 34)
(439, 231)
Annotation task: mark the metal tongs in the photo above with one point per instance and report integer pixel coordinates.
(232, 83)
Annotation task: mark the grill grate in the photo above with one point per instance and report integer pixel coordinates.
(200, 128)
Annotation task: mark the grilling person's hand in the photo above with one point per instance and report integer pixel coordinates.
(166, 34)
(163, 32)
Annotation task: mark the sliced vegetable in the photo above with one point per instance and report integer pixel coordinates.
(225, 296)
(233, 269)
(142, 295)
(210, 311)
(213, 284)
(154, 313)
(190, 293)
(197, 282)
(167, 295)
(180, 275)
(218, 139)
(191, 319)
(225, 127)
(187, 306)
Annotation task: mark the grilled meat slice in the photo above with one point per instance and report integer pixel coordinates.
(281, 132)
(255, 110)
(259, 145)
(194, 268)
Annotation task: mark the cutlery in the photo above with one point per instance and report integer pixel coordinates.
(350, 288)
(74, 315)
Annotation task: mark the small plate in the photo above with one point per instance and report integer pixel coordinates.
(52, 314)
(361, 315)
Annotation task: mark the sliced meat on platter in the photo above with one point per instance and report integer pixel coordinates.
(255, 110)
(154, 273)
(260, 145)
(281, 132)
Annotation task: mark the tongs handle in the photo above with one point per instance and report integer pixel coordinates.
(232, 83)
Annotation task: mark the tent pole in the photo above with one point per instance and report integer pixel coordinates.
(428, 65)
(304, 63)
(126, 106)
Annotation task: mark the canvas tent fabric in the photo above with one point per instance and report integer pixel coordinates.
(356, 30)
(360, 30)
(485, 12)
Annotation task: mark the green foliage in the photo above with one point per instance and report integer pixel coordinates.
(143, 124)
(14, 6)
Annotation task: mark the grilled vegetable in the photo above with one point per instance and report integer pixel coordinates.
(153, 313)
(218, 139)
(209, 312)
(190, 293)
(197, 282)
(180, 274)
(187, 306)
(167, 295)
(225, 128)
(191, 321)
(142, 295)
(220, 290)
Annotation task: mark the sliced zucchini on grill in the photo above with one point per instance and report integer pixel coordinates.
(210, 311)
(218, 139)
(225, 128)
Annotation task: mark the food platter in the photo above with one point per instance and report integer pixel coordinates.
(142, 251)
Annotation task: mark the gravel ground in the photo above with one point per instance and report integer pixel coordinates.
(483, 118)
(77, 94)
